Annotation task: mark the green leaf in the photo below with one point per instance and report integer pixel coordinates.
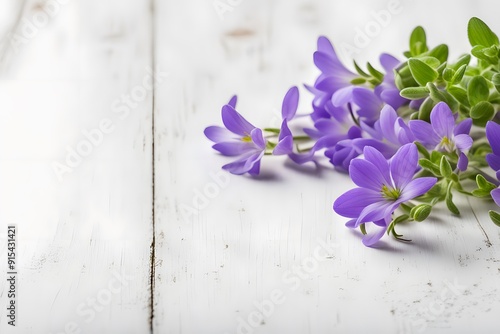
(463, 60)
(448, 74)
(396, 221)
(440, 95)
(441, 68)
(272, 130)
(424, 113)
(491, 52)
(418, 41)
(421, 148)
(362, 227)
(430, 166)
(481, 113)
(445, 167)
(403, 77)
(482, 53)
(495, 217)
(414, 93)
(358, 81)
(376, 74)
(436, 157)
(482, 183)
(449, 201)
(360, 71)
(460, 95)
(421, 212)
(421, 72)
(459, 74)
(480, 34)
(431, 61)
(478, 90)
(440, 52)
(481, 193)
(496, 81)
(482, 110)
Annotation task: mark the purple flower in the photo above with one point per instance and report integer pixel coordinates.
(239, 138)
(383, 186)
(390, 131)
(442, 134)
(288, 110)
(344, 151)
(328, 132)
(387, 90)
(388, 134)
(334, 76)
(493, 135)
(364, 102)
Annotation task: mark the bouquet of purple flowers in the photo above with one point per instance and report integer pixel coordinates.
(410, 135)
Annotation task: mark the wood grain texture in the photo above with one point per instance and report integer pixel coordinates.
(84, 241)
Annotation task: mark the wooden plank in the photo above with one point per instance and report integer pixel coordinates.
(83, 240)
(252, 242)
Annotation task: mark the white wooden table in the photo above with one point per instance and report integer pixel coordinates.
(99, 170)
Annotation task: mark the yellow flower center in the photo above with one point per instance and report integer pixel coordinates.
(390, 193)
(446, 144)
(246, 139)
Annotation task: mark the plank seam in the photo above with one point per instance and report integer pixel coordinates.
(153, 190)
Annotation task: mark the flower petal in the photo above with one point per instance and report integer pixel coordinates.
(392, 97)
(366, 175)
(219, 134)
(376, 211)
(495, 194)
(232, 102)
(369, 104)
(234, 122)
(343, 96)
(284, 146)
(404, 134)
(494, 161)
(463, 142)
(331, 65)
(233, 148)
(387, 121)
(290, 103)
(324, 45)
(354, 201)
(403, 165)
(378, 160)
(245, 164)
(372, 237)
(463, 127)
(388, 62)
(424, 133)
(351, 223)
(258, 138)
(442, 120)
(463, 162)
(493, 135)
(417, 188)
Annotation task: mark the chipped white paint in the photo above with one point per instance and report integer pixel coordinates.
(271, 246)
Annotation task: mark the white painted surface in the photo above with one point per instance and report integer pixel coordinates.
(250, 243)
(75, 235)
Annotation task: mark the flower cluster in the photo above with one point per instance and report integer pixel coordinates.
(410, 134)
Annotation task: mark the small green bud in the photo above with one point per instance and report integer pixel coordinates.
(421, 212)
